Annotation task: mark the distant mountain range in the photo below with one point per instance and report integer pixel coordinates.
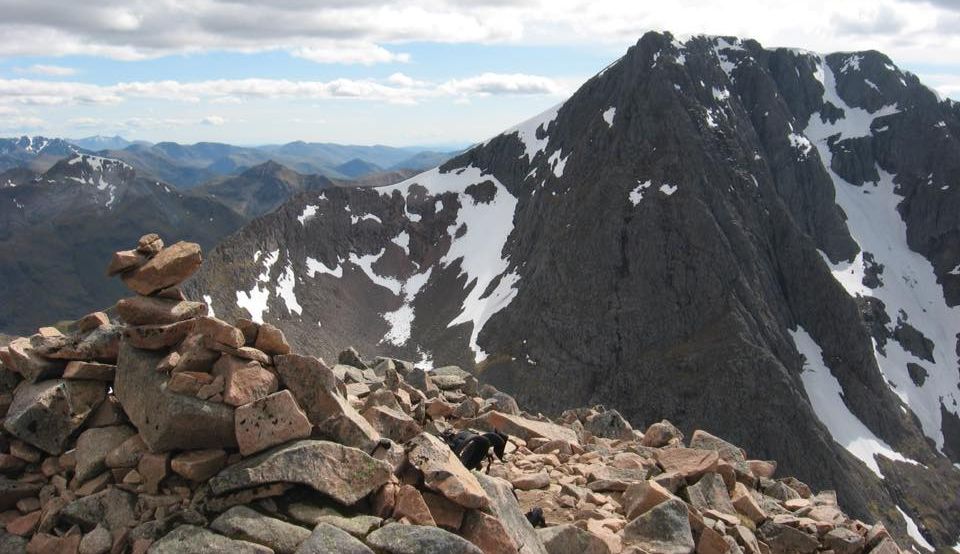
(186, 166)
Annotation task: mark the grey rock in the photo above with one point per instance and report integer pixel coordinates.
(98, 541)
(93, 445)
(395, 538)
(664, 529)
(710, 493)
(569, 539)
(241, 522)
(47, 413)
(504, 506)
(190, 538)
(327, 539)
(11, 491)
(609, 425)
(12, 544)
(113, 508)
(167, 420)
(340, 472)
(783, 539)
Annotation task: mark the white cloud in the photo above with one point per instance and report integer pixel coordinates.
(214, 120)
(396, 89)
(85, 122)
(362, 53)
(51, 70)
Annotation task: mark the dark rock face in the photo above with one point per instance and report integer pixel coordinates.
(56, 231)
(261, 189)
(657, 244)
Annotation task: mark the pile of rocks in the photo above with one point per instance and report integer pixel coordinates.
(169, 430)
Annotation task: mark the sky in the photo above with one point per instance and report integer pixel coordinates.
(411, 72)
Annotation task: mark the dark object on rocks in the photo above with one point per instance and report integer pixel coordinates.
(535, 517)
(472, 448)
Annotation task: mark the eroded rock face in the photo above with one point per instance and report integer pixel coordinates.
(343, 473)
(164, 419)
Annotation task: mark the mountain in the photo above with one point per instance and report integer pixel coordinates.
(56, 231)
(98, 142)
(357, 168)
(261, 189)
(188, 166)
(36, 153)
(17, 176)
(762, 243)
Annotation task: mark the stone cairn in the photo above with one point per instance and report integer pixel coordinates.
(164, 429)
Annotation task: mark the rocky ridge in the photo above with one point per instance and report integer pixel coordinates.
(169, 430)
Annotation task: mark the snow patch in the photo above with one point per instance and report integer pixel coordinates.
(721, 94)
(366, 264)
(400, 320)
(668, 189)
(209, 302)
(527, 132)
(826, 399)
(285, 284)
(851, 63)
(914, 531)
(255, 300)
(801, 143)
(608, 115)
(557, 163)
(308, 212)
(403, 241)
(636, 195)
(316, 266)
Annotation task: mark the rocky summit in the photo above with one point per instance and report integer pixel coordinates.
(758, 242)
(164, 429)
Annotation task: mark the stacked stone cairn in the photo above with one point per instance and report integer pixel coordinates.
(164, 429)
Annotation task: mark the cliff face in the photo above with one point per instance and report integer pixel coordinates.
(760, 243)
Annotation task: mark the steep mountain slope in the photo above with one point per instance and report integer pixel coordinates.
(263, 188)
(702, 224)
(36, 153)
(56, 231)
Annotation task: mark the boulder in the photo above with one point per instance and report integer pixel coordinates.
(158, 337)
(569, 539)
(93, 371)
(190, 538)
(689, 463)
(244, 381)
(168, 268)
(445, 513)
(411, 505)
(609, 425)
(219, 331)
(783, 539)
(351, 357)
(166, 420)
(47, 413)
(503, 505)
(98, 541)
(393, 424)
(488, 533)
(660, 434)
(193, 355)
(395, 538)
(501, 402)
(443, 472)
(100, 344)
(12, 491)
(844, 541)
(93, 446)
(710, 493)
(149, 245)
(23, 358)
(145, 310)
(734, 455)
(127, 454)
(125, 260)
(311, 382)
(271, 340)
(270, 421)
(327, 539)
(523, 428)
(664, 529)
(199, 465)
(113, 508)
(531, 481)
(240, 522)
(340, 472)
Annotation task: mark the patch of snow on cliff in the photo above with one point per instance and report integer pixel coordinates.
(826, 399)
(480, 249)
(636, 195)
(366, 262)
(255, 300)
(527, 132)
(668, 189)
(909, 284)
(914, 531)
(609, 114)
(285, 284)
(308, 212)
(316, 266)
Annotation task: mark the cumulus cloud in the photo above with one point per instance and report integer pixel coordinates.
(85, 122)
(397, 89)
(51, 70)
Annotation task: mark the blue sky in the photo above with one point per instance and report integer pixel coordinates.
(424, 72)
